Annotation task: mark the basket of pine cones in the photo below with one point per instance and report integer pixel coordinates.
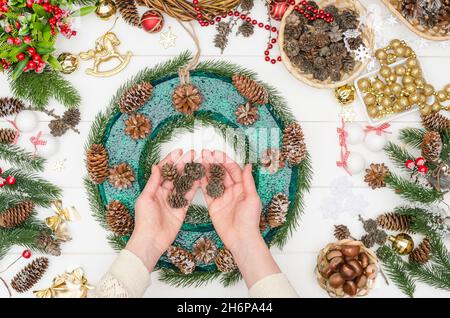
(322, 52)
(429, 19)
(346, 269)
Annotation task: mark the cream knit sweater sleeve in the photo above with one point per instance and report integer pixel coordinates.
(128, 277)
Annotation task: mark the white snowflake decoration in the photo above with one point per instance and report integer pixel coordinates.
(362, 53)
(391, 20)
(168, 39)
(60, 165)
(371, 65)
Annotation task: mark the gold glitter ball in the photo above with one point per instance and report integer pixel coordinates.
(345, 94)
(68, 62)
(106, 9)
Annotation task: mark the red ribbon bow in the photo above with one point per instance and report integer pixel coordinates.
(36, 141)
(344, 161)
(379, 130)
(16, 137)
(342, 133)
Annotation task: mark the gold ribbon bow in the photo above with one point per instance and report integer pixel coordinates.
(57, 223)
(67, 285)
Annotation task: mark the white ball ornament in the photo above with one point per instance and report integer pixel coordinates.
(26, 121)
(375, 142)
(355, 133)
(50, 148)
(355, 163)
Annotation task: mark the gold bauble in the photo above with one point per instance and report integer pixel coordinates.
(436, 107)
(345, 94)
(428, 89)
(442, 96)
(402, 243)
(380, 54)
(410, 88)
(392, 78)
(363, 84)
(378, 85)
(106, 9)
(425, 110)
(396, 89)
(372, 110)
(386, 101)
(68, 62)
(370, 99)
(420, 82)
(387, 90)
(447, 89)
(407, 79)
(403, 102)
(422, 99)
(399, 51)
(408, 51)
(385, 71)
(414, 99)
(391, 58)
(395, 43)
(412, 62)
(400, 70)
(397, 108)
(415, 72)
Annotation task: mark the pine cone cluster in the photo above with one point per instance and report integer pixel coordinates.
(272, 160)
(395, 222)
(137, 126)
(225, 261)
(435, 122)
(277, 210)
(430, 13)
(251, 90)
(194, 170)
(341, 232)
(182, 259)
(118, 218)
(177, 201)
(294, 147)
(70, 119)
(30, 275)
(187, 98)
(204, 250)
(97, 163)
(121, 176)
(7, 135)
(58, 127)
(49, 244)
(129, 12)
(376, 175)
(10, 106)
(16, 214)
(421, 254)
(431, 146)
(246, 114)
(135, 97)
(169, 172)
(373, 234)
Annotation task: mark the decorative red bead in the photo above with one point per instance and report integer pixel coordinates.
(266, 52)
(270, 46)
(273, 61)
(230, 13)
(243, 16)
(26, 254)
(409, 164)
(218, 19)
(260, 24)
(279, 59)
(274, 29)
(422, 169)
(248, 19)
(267, 27)
(301, 11)
(303, 3)
(273, 40)
(236, 14)
(254, 22)
(267, 59)
(420, 161)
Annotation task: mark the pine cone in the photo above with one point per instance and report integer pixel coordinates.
(376, 175)
(395, 222)
(247, 5)
(246, 114)
(421, 254)
(129, 12)
(7, 135)
(194, 170)
(58, 127)
(10, 106)
(215, 189)
(292, 48)
(187, 98)
(431, 146)
(348, 63)
(182, 259)
(408, 8)
(435, 122)
(183, 184)
(354, 43)
(16, 214)
(135, 97)
(204, 250)
(369, 225)
(72, 117)
(348, 19)
(97, 163)
(246, 29)
(272, 160)
(121, 176)
(169, 172)
(225, 261)
(263, 224)
(177, 201)
(277, 210)
(380, 237)
(216, 172)
(368, 240)
(118, 218)
(250, 89)
(294, 147)
(49, 244)
(30, 275)
(221, 38)
(137, 126)
(341, 232)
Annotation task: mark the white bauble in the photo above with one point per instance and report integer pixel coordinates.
(375, 142)
(50, 148)
(355, 163)
(355, 133)
(27, 121)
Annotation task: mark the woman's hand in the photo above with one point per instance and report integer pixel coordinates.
(156, 223)
(236, 215)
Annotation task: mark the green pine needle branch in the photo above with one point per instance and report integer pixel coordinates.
(21, 158)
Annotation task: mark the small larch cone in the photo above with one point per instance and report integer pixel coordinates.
(254, 92)
(118, 218)
(135, 97)
(129, 12)
(58, 127)
(421, 254)
(272, 160)
(194, 170)
(246, 114)
(431, 146)
(294, 147)
(394, 222)
(97, 163)
(187, 98)
(215, 189)
(182, 259)
(16, 214)
(7, 135)
(137, 126)
(277, 210)
(216, 172)
(72, 117)
(204, 250)
(121, 176)
(49, 244)
(183, 184)
(177, 201)
(169, 172)
(225, 261)
(30, 275)
(10, 106)
(341, 232)
(436, 122)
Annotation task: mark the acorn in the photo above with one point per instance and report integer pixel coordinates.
(332, 254)
(361, 281)
(336, 280)
(350, 288)
(347, 272)
(350, 250)
(335, 262)
(363, 259)
(371, 271)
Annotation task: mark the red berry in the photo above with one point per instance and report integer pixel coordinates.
(36, 57)
(267, 27)
(31, 65)
(27, 39)
(1, 170)
(31, 50)
(10, 40)
(26, 254)
(17, 41)
(270, 46)
(52, 20)
(420, 161)
(20, 56)
(422, 169)
(11, 180)
(409, 164)
(74, 33)
(2, 182)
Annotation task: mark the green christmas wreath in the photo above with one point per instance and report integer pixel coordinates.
(126, 139)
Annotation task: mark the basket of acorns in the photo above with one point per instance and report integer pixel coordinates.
(325, 45)
(346, 269)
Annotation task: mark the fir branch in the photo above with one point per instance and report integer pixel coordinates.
(430, 274)
(95, 202)
(196, 279)
(412, 136)
(21, 158)
(197, 214)
(398, 155)
(117, 242)
(412, 191)
(230, 279)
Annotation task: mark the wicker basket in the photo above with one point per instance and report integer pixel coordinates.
(322, 262)
(435, 34)
(367, 36)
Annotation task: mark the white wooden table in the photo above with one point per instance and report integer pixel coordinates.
(315, 109)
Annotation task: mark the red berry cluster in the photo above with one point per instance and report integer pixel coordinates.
(10, 180)
(35, 63)
(418, 164)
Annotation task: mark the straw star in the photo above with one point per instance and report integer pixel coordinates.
(168, 39)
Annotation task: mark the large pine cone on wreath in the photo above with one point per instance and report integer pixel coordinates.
(225, 261)
(49, 244)
(187, 98)
(97, 163)
(30, 275)
(204, 250)
(395, 222)
(294, 147)
(7, 135)
(118, 218)
(254, 92)
(135, 97)
(436, 122)
(137, 126)
(16, 214)
(277, 210)
(121, 176)
(421, 254)
(182, 259)
(129, 12)
(431, 146)
(10, 106)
